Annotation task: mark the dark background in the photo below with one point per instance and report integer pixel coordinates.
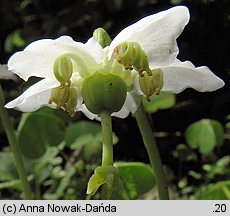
(205, 41)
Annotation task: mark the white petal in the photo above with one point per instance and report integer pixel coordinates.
(123, 113)
(34, 97)
(182, 75)
(5, 73)
(94, 49)
(131, 104)
(156, 35)
(38, 57)
(87, 113)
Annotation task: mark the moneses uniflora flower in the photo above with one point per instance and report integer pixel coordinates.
(141, 60)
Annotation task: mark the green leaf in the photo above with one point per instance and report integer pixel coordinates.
(205, 135)
(13, 39)
(164, 100)
(219, 131)
(79, 129)
(217, 191)
(65, 181)
(176, 2)
(44, 165)
(37, 131)
(15, 184)
(87, 136)
(137, 178)
(184, 153)
(221, 167)
(7, 167)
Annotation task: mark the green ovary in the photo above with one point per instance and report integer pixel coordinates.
(104, 93)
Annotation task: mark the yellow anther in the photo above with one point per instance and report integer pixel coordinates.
(65, 97)
(131, 56)
(151, 84)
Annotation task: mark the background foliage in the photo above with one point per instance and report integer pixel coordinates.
(192, 129)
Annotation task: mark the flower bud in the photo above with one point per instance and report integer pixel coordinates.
(63, 70)
(151, 84)
(102, 37)
(104, 93)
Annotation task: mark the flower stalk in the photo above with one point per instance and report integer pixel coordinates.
(107, 139)
(153, 153)
(14, 148)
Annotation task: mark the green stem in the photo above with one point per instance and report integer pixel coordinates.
(107, 139)
(153, 153)
(14, 147)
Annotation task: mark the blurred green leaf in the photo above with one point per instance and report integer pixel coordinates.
(184, 153)
(25, 3)
(195, 175)
(137, 178)
(205, 135)
(176, 2)
(7, 167)
(1, 127)
(87, 136)
(15, 184)
(183, 183)
(79, 129)
(221, 167)
(65, 181)
(44, 165)
(37, 131)
(14, 40)
(164, 100)
(217, 191)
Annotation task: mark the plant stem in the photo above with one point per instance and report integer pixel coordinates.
(153, 153)
(107, 139)
(14, 147)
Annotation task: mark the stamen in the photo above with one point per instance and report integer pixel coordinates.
(151, 84)
(64, 97)
(131, 56)
(51, 100)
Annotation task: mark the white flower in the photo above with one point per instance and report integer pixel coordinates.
(155, 34)
(37, 60)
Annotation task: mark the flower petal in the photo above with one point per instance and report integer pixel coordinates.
(182, 75)
(156, 35)
(87, 113)
(34, 97)
(38, 57)
(131, 104)
(94, 49)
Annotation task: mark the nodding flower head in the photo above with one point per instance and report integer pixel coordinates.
(140, 60)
